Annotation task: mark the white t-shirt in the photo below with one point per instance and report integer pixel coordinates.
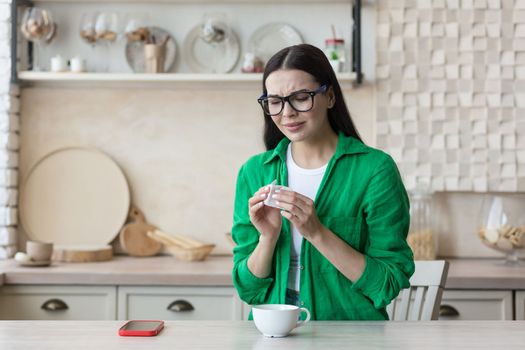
(305, 182)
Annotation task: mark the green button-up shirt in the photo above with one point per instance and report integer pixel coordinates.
(362, 200)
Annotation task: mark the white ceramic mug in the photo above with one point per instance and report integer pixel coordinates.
(39, 251)
(78, 64)
(58, 64)
(278, 320)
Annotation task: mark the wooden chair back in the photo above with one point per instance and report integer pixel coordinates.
(421, 301)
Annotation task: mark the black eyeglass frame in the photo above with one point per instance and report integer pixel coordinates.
(321, 89)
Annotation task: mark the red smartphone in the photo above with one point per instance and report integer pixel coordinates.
(141, 328)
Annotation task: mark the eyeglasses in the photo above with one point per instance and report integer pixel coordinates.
(300, 101)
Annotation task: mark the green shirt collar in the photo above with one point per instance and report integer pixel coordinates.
(345, 145)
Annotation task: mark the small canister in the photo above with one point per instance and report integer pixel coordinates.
(155, 55)
(78, 64)
(58, 64)
(336, 52)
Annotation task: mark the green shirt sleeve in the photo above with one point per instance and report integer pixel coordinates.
(251, 289)
(389, 259)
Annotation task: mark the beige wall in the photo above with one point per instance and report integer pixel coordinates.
(181, 165)
(180, 149)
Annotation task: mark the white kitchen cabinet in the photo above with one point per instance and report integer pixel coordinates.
(519, 304)
(476, 305)
(58, 302)
(179, 303)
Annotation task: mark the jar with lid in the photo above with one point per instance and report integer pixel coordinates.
(336, 52)
(421, 238)
(502, 225)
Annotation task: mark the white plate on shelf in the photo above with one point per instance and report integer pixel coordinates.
(203, 57)
(135, 51)
(272, 37)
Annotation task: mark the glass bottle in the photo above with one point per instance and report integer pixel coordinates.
(335, 50)
(421, 237)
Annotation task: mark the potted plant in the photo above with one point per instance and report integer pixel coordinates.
(333, 57)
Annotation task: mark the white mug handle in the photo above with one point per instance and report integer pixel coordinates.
(302, 323)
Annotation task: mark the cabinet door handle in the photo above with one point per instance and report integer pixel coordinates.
(54, 305)
(180, 306)
(448, 311)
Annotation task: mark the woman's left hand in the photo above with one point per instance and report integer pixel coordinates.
(300, 210)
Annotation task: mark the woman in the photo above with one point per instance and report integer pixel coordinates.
(337, 243)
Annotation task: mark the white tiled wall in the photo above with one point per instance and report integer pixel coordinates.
(450, 78)
(9, 138)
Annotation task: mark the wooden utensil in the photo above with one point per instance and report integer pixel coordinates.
(82, 253)
(177, 239)
(133, 236)
(183, 247)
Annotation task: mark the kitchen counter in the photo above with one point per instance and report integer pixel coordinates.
(484, 274)
(101, 335)
(124, 270)
(216, 271)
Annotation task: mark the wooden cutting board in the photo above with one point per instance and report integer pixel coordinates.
(64, 186)
(82, 253)
(134, 238)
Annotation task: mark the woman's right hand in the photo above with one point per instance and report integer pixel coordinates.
(267, 220)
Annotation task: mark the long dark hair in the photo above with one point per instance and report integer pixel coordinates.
(311, 60)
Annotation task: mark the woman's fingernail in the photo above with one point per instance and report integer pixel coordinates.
(263, 195)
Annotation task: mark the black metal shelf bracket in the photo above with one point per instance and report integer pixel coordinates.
(15, 4)
(356, 41)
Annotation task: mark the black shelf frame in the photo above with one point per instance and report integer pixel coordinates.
(356, 42)
(15, 5)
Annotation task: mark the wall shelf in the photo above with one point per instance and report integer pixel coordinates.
(152, 80)
(199, 1)
(23, 59)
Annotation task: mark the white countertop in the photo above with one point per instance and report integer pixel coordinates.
(216, 271)
(102, 335)
(484, 274)
(125, 270)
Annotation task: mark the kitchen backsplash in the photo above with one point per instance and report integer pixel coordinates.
(450, 78)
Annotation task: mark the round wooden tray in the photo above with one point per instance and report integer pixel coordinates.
(74, 196)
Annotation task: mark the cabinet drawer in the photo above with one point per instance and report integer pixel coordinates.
(179, 303)
(57, 303)
(476, 305)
